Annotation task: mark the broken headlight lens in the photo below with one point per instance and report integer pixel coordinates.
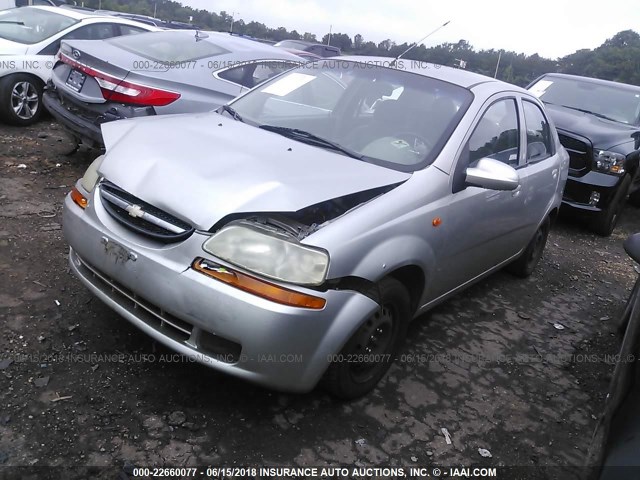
(91, 176)
(609, 162)
(269, 254)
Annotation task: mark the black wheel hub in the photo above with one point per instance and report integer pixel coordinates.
(371, 344)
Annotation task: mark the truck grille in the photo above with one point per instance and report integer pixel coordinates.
(141, 217)
(580, 152)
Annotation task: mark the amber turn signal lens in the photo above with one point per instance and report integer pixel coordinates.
(78, 198)
(436, 222)
(256, 286)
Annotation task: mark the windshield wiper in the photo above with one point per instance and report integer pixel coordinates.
(235, 115)
(595, 114)
(310, 138)
(11, 22)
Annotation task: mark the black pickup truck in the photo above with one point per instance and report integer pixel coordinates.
(598, 122)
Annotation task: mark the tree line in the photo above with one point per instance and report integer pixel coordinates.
(618, 58)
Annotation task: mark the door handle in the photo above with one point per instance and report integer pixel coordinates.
(554, 172)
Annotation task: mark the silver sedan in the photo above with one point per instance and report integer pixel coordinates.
(292, 236)
(184, 71)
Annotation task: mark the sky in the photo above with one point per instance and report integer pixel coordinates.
(551, 28)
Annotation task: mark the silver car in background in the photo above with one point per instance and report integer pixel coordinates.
(292, 236)
(168, 72)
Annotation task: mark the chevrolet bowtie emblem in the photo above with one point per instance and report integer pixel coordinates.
(135, 210)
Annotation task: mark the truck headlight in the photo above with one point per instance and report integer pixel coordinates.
(609, 162)
(269, 254)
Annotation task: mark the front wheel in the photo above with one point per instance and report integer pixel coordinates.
(20, 99)
(527, 262)
(369, 352)
(634, 198)
(605, 222)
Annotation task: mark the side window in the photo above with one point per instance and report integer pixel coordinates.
(497, 134)
(129, 30)
(539, 145)
(251, 74)
(95, 31)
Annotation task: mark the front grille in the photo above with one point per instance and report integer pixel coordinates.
(580, 152)
(142, 217)
(160, 320)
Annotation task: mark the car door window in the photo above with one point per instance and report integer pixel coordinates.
(539, 145)
(95, 31)
(497, 134)
(129, 30)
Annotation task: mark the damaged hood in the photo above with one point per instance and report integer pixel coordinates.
(204, 167)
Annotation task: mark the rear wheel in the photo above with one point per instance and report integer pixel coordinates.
(527, 262)
(20, 99)
(368, 354)
(605, 222)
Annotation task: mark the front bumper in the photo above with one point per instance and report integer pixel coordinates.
(578, 190)
(282, 347)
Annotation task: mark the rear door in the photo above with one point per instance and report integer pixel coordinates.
(540, 172)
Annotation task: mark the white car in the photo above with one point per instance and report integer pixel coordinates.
(29, 40)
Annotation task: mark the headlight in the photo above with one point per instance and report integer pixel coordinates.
(269, 254)
(609, 162)
(91, 176)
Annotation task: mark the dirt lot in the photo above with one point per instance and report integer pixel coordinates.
(490, 366)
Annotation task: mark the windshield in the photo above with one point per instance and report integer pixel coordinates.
(169, 46)
(385, 116)
(621, 104)
(31, 25)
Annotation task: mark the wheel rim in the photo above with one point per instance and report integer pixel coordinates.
(24, 100)
(371, 344)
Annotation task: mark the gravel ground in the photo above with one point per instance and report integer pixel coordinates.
(80, 386)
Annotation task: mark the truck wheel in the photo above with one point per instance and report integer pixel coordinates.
(20, 99)
(368, 354)
(524, 265)
(605, 222)
(634, 198)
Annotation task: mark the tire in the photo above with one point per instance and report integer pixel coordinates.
(524, 265)
(634, 198)
(20, 99)
(347, 379)
(605, 222)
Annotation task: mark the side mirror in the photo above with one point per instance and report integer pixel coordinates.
(493, 175)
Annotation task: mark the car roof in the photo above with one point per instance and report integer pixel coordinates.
(456, 76)
(238, 44)
(67, 12)
(78, 14)
(597, 81)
